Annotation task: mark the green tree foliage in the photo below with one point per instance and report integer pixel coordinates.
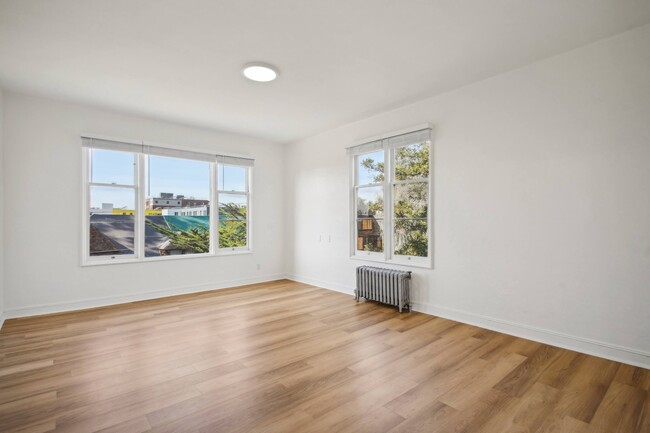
(412, 162)
(194, 239)
(232, 231)
(411, 200)
(411, 238)
(232, 211)
(232, 234)
(232, 225)
(374, 167)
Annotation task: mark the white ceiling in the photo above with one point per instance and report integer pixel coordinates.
(339, 60)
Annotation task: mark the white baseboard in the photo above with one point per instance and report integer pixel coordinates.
(35, 310)
(2, 320)
(601, 349)
(588, 346)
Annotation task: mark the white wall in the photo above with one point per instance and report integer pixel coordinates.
(2, 174)
(542, 206)
(43, 172)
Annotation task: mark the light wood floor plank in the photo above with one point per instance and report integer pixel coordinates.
(289, 357)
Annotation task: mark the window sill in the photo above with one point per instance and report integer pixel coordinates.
(425, 263)
(116, 261)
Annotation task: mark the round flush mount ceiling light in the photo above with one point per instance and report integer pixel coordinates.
(261, 72)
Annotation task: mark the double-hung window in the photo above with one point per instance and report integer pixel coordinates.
(144, 202)
(234, 203)
(369, 201)
(112, 193)
(391, 194)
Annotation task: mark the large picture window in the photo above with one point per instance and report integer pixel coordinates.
(390, 198)
(177, 207)
(145, 202)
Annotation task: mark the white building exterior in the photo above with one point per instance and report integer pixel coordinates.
(187, 211)
(107, 208)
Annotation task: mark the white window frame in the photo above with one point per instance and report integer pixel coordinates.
(139, 187)
(247, 194)
(370, 255)
(388, 256)
(87, 186)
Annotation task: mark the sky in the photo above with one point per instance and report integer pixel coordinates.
(367, 176)
(178, 176)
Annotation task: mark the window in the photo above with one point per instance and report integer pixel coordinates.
(369, 198)
(390, 196)
(112, 192)
(144, 202)
(233, 196)
(167, 234)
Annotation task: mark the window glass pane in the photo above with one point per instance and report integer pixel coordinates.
(112, 219)
(232, 234)
(410, 237)
(232, 178)
(370, 202)
(370, 168)
(177, 214)
(109, 166)
(233, 207)
(412, 161)
(233, 211)
(411, 200)
(370, 234)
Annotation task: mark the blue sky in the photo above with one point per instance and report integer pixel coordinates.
(178, 176)
(366, 176)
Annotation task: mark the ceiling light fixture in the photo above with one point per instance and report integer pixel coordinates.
(261, 72)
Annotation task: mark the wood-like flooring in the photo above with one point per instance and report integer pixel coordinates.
(288, 357)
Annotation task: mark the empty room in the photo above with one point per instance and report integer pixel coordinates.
(304, 216)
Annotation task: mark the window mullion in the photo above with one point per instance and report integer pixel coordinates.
(249, 210)
(366, 185)
(88, 175)
(388, 204)
(430, 206)
(140, 218)
(409, 181)
(86, 172)
(214, 209)
(353, 206)
(111, 185)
